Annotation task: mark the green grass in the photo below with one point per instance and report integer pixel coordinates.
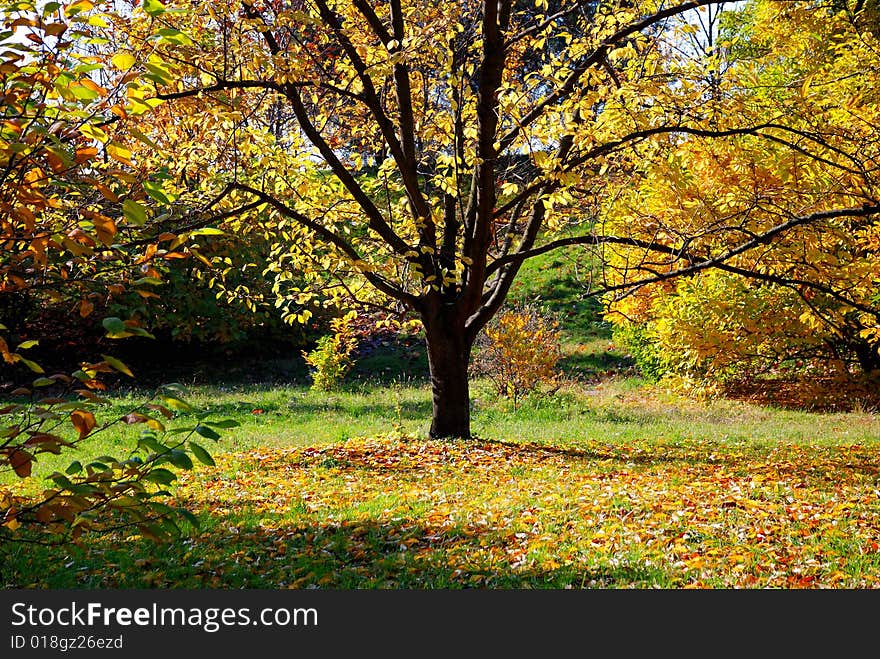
(557, 283)
(269, 415)
(618, 411)
(615, 486)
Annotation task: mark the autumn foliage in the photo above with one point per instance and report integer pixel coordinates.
(76, 233)
(331, 358)
(803, 303)
(408, 158)
(519, 352)
(402, 512)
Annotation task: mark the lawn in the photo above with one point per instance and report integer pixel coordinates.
(620, 485)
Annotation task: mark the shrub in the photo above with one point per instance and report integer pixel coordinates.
(331, 358)
(635, 340)
(518, 350)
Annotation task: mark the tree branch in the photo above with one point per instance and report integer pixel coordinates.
(332, 238)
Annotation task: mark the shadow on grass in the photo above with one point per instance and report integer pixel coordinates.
(391, 410)
(380, 540)
(807, 464)
(390, 369)
(239, 550)
(595, 364)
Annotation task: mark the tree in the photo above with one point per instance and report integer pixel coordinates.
(414, 155)
(808, 298)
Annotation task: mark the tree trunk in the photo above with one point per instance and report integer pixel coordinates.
(868, 356)
(448, 357)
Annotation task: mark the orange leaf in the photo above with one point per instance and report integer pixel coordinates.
(90, 84)
(107, 192)
(21, 462)
(83, 421)
(55, 29)
(84, 154)
(105, 228)
(56, 163)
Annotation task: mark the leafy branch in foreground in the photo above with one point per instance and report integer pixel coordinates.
(102, 493)
(76, 230)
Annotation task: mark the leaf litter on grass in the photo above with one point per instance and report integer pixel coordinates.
(399, 512)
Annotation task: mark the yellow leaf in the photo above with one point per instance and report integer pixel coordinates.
(123, 61)
(119, 153)
(93, 132)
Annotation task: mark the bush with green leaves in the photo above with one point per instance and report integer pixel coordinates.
(331, 359)
(634, 339)
(103, 493)
(220, 298)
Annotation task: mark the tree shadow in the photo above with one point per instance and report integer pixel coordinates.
(381, 539)
(595, 364)
(409, 410)
(816, 394)
(236, 550)
(805, 464)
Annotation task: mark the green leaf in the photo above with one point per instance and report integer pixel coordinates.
(34, 366)
(134, 212)
(207, 432)
(161, 475)
(202, 455)
(24, 345)
(151, 281)
(84, 489)
(156, 192)
(140, 331)
(61, 480)
(74, 468)
(180, 459)
(189, 517)
(116, 328)
(88, 68)
(174, 36)
(159, 74)
(149, 440)
(83, 93)
(154, 7)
